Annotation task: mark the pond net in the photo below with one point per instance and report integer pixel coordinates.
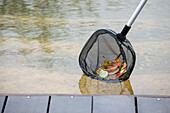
(106, 57)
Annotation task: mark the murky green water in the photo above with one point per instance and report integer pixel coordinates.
(40, 42)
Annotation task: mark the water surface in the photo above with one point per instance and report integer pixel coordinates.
(40, 42)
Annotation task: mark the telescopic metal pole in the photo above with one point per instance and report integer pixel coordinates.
(136, 12)
(133, 17)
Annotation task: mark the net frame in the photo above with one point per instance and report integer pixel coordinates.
(93, 40)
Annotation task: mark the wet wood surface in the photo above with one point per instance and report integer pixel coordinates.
(26, 104)
(70, 104)
(153, 105)
(84, 104)
(113, 104)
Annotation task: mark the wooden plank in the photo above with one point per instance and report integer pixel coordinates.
(70, 104)
(113, 104)
(2, 98)
(26, 104)
(153, 105)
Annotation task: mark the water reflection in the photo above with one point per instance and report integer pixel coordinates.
(92, 86)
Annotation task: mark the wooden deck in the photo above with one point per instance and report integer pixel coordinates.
(84, 104)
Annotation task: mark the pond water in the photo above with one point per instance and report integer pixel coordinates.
(40, 41)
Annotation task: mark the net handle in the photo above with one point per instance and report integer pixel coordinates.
(133, 17)
(136, 12)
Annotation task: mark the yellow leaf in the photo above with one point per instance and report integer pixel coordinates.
(106, 63)
(117, 60)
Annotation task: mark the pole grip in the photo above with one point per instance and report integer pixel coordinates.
(125, 30)
(122, 36)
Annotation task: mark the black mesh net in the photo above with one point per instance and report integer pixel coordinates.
(105, 57)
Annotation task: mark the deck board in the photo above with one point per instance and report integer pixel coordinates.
(25, 104)
(70, 104)
(85, 104)
(153, 105)
(113, 104)
(2, 98)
